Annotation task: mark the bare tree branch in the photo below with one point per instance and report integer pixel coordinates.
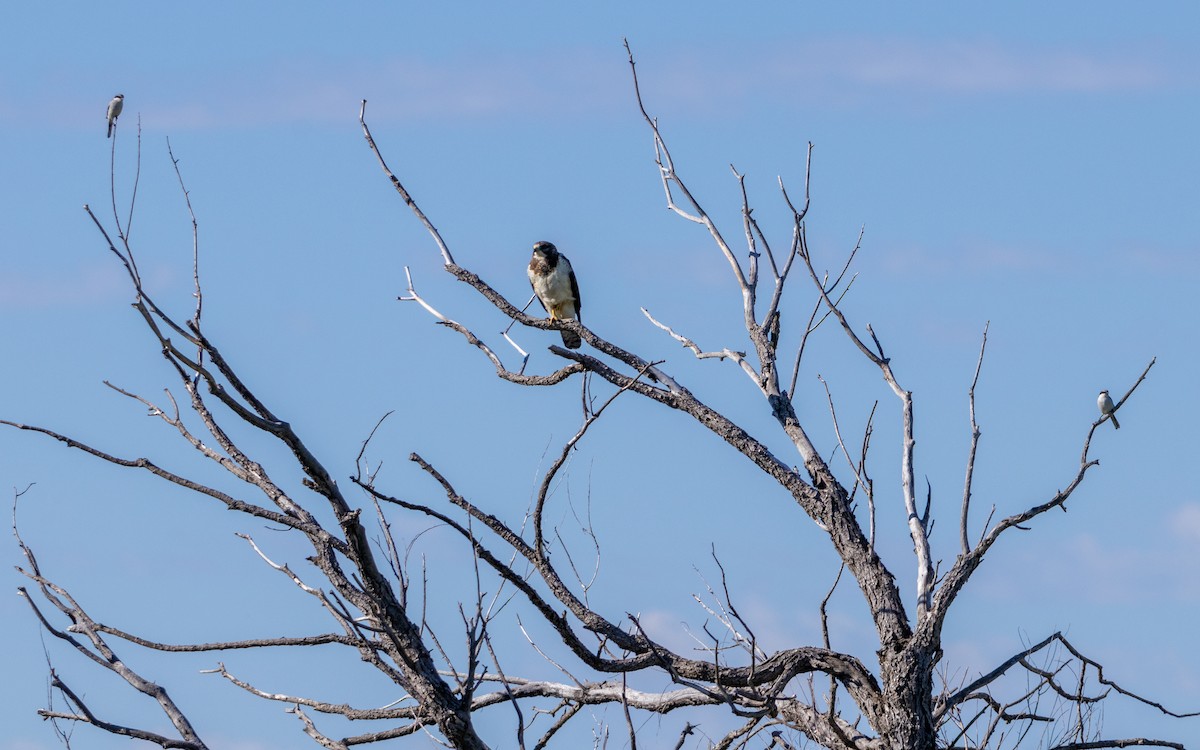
(98, 651)
(975, 433)
(967, 563)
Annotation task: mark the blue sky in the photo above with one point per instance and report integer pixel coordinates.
(1033, 166)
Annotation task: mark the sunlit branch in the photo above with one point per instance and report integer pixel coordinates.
(737, 357)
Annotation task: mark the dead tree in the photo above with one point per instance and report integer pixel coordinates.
(805, 695)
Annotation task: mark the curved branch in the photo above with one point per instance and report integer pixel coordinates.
(86, 716)
(1130, 742)
(548, 479)
(437, 237)
(776, 670)
(668, 175)
(100, 653)
(144, 463)
(513, 377)
(739, 358)
(966, 563)
(340, 709)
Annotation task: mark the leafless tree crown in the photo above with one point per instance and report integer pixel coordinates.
(730, 692)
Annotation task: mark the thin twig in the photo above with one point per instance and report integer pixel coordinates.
(975, 434)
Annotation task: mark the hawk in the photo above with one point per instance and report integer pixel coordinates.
(1106, 407)
(114, 111)
(554, 284)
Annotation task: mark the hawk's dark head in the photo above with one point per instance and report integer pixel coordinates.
(547, 252)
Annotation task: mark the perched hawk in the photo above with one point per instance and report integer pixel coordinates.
(1106, 407)
(114, 111)
(555, 286)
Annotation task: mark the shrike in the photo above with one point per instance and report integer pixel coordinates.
(114, 111)
(1106, 407)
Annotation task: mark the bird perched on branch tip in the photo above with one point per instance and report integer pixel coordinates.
(554, 283)
(1106, 407)
(114, 111)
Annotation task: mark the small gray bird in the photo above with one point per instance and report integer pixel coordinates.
(114, 111)
(1106, 407)
(554, 283)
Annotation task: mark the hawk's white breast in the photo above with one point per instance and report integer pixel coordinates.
(554, 289)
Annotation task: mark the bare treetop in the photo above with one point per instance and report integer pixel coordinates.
(728, 692)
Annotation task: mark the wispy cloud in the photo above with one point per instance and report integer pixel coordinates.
(1103, 570)
(907, 74)
(401, 88)
(974, 66)
(979, 256)
(1185, 522)
(970, 257)
(72, 287)
(587, 81)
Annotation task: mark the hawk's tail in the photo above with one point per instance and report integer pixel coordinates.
(571, 339)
